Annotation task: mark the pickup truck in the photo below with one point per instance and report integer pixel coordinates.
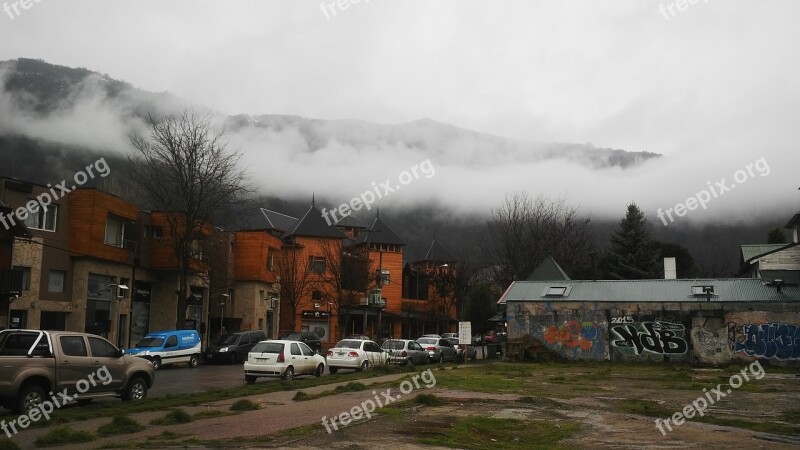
(37, 366)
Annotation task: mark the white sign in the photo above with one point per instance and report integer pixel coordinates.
(464, 333)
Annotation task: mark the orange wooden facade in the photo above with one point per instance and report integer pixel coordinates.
(256, 254)
(90, 210)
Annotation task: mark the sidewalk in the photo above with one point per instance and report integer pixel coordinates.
(278, 412)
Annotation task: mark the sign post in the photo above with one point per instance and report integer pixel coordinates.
(465, 337)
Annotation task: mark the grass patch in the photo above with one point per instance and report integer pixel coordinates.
(479, 433)
(173, 418)
(8, 444)
(167, 436)
(428, 400)
(210, 414)
(64, 435)
(791, 416)
(764, 427)
(647, 408)
(244, 405)
(539, 401)
(301, 396)
(120, 425)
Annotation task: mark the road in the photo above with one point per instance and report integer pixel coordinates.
(180, 379)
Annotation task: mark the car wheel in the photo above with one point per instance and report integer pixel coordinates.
(250, 379)
(364, 366)
(288, 374)
(409, 363)
(320, 369)
(156, 363)
(30, 398)
(333, 370)
(135, 390)
(193, 361)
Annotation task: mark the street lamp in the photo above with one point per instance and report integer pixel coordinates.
(222, 312)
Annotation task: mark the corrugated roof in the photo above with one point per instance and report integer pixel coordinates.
(750, 252)
(643, 291)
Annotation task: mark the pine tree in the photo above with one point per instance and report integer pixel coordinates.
(633, 255)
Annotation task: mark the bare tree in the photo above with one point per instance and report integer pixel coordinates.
(347, 277)
(181, 167)
(523, 231)
(296, 279)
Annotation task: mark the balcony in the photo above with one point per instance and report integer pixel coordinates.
(10, 281)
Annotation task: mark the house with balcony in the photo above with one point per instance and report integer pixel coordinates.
(12, 280)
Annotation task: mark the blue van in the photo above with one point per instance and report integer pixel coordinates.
(169, 347)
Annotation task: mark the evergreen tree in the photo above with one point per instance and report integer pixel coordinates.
(776, 236)
(633, 255)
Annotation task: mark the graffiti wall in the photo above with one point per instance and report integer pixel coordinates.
(650, 340)
(591, 331)
(571, 334)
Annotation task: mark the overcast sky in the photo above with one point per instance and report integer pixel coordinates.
(714, 86)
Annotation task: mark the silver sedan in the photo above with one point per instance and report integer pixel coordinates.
(438, 349)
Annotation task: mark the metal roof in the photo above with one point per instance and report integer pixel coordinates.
(645, 291)
(750, 252)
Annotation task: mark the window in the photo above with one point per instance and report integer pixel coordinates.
(101, 348)
(115, 231)
(26, 277)
(158, 231)
(172, 341)
(55, 281)
(556, 291)
(316, 295)
(316, 264)
(296, 350)
(271, 260)
(44, 219)
(196, 247)
(306, 351)
(702, 290)
(73, 345)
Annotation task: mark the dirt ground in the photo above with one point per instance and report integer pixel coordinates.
(503, 405)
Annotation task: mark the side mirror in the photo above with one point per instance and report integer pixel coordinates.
(120, 353)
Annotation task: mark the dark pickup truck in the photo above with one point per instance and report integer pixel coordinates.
(36, 366)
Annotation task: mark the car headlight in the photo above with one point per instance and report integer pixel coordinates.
(145, 353)
(223, 349)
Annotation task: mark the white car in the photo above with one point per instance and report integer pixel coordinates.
(283, 359)
(358, 354)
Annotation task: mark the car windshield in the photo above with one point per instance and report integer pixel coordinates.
(267, 347)
(453, 341)
(349, 344)
(428, 341)
(394, 345)
(150, 342)
(228, 340)
(291, 337)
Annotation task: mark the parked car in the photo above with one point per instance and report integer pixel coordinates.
(234, 347)
(431, 336)
(361, 337)
(282, 358)
(358, 354)
(450, 335)
(438, 349)
(34, 362)
(405, 351)
(473, 354)
(477, 339)
(489, 338)
(310, 339)
(169, 347)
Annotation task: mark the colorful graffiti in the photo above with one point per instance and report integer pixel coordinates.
(577, 339)
(663, 338)
(768, 340)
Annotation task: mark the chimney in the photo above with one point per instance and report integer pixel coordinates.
(670, 272)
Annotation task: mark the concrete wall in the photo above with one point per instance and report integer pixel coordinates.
(697, 332)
